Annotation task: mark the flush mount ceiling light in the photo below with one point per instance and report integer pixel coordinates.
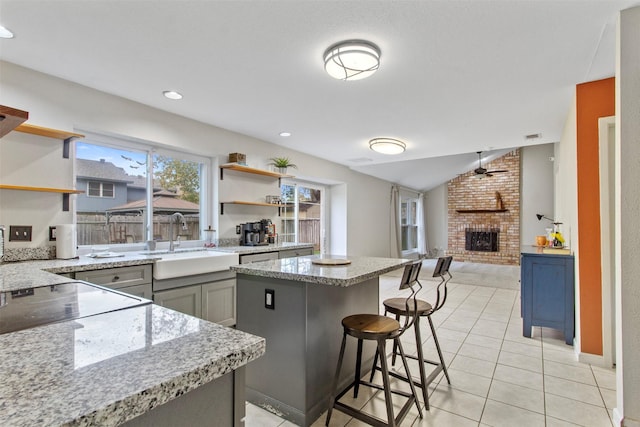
(387, 145)
(172, 94)
(5, 33)
(352, 60)
(285, 134)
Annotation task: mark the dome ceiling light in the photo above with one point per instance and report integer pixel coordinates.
(352, 60)
(387, 145)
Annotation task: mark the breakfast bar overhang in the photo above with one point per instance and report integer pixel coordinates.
(298, 306)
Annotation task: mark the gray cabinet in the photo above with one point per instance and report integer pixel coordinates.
(187, 300)
(265, 256)
(209, 296)
(289, 253)
(219, 302)
(134, 280)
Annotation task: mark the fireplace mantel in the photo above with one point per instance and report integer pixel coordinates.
(481, 210)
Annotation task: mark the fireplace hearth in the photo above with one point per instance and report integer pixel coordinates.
(481, 239)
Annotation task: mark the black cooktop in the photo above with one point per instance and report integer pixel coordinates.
(37, 306)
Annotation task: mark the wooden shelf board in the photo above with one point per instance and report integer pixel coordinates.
(247, 169)
(40, 189)
(50, 133)
(12, 119)
(240, 202)
(481, 210)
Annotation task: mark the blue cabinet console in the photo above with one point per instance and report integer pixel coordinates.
(547, 291)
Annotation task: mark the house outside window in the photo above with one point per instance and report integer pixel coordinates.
(100, 189)
(121, 205)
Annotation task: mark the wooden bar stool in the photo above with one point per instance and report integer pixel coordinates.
(378, 328)
(398, 307)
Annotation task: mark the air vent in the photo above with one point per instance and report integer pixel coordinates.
(533, 136)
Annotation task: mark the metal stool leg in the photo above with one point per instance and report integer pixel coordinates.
(385, 382)
(336, 379)
(375, 366)
(395, 346)
(435, 339)
(356, 381)
(406, 369)
(423, 376)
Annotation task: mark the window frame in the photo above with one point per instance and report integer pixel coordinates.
(101, 190)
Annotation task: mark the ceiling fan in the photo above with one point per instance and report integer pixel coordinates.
(482, 172)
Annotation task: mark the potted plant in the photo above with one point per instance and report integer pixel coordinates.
(282, 163)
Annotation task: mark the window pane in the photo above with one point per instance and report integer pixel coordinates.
(176, 189)
(116, 177)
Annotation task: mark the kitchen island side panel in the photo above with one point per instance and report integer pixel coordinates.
(303, 335)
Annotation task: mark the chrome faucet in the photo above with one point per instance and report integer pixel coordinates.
(173, 218)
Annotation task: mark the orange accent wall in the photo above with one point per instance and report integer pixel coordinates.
(593, 100)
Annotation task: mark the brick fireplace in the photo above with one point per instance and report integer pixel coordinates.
(484, 214)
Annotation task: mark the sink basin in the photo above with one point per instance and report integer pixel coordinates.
(178, 264)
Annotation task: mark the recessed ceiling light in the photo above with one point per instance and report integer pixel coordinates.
(5, 33)
(387, 145)
(172, 94)
(285, 134)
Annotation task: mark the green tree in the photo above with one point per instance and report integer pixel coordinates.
(181, 176)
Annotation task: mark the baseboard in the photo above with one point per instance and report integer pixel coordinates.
(626, 422)
(617, 418)
(591, 359)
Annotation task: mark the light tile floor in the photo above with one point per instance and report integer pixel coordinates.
(498, 377)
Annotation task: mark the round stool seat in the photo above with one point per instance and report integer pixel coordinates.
(370, 326)
(398, 306)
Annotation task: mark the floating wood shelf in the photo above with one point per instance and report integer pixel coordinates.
(481, 210)
(65, 192)
(240, 202)
(246, 169)
(40, 189)
(11, 118)
(50, 133)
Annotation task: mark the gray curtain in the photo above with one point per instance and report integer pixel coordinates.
(395, 237)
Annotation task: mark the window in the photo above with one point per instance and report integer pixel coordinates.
(122, 205)
(302, 219)
(409, 224)
(100, 189)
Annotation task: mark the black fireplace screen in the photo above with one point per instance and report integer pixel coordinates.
(482, 240)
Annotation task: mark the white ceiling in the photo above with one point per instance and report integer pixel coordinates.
(455, 77)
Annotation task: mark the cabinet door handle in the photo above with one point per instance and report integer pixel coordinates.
(115, 278)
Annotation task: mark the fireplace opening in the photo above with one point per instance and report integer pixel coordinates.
(481, 240)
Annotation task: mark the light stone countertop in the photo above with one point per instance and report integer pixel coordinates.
(109, 368)
(106, 369)
(303, 270)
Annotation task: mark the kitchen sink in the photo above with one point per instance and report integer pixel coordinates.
(188, 263)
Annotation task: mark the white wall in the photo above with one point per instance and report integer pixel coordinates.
(628, 222)
(536, 189)
(60, 104)
(436, 216)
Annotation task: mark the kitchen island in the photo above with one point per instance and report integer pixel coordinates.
(298, 307)
(144, 365)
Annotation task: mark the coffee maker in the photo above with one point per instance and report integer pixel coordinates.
(253, 233)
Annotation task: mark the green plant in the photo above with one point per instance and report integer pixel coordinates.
(282, 162)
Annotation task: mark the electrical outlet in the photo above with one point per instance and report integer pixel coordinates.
(20, 233)
(52, 233)
(270, 299)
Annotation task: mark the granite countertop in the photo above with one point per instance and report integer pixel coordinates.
(109, 368)
(106, 369)
(303, 270)
(243, 250)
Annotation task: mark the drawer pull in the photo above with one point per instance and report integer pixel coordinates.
(115, 278)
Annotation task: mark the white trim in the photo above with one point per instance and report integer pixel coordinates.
(617, 418)
(607, 234)
(592, 359)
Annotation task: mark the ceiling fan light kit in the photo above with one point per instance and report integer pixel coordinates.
(387, 145)
(352, 60)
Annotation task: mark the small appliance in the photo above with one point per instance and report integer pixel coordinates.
(253, 233)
